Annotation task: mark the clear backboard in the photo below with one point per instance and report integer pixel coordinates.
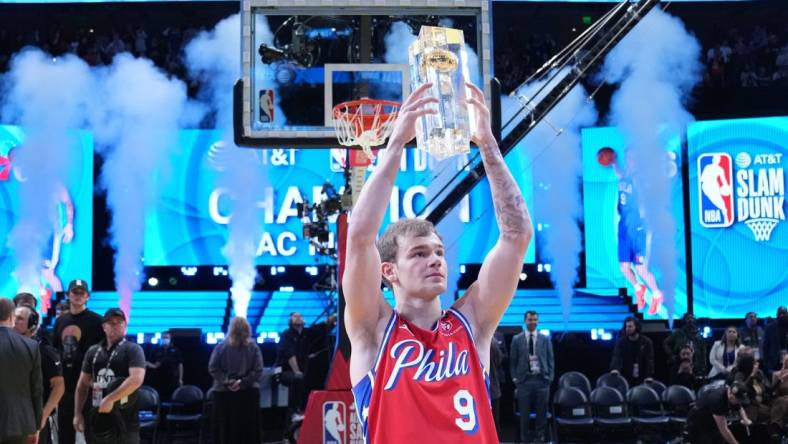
(300, 58)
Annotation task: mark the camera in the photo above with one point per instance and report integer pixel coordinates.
(315, 218)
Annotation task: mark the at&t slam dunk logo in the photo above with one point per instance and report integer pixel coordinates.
(759, 185)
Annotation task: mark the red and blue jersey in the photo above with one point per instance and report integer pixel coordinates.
(426, 385)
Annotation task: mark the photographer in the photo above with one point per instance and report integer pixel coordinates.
(236, 365)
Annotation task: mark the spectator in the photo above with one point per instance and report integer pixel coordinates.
(236, 365)
(633, 355)
(20, 384)
(747, 372)
(751, 334)
(75, 332)
(723, 354)
(532, 365)
(775, 341)
(112, 371)
(684, 373)
(778, 421)
(167, 360)
(707, 422)
(687, 335)
(26, 322)
(295, 345)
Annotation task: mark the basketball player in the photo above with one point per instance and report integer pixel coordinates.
(419, 373)
(633, 240)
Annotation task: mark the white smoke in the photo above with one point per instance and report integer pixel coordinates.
(47, 97)
(214, 57)
(656, 66)
(555, 149)
(136, 119)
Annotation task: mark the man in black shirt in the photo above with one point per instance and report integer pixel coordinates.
(74, 333)
(112, 363)
(295, 345)
(707, 422)
(168, 363)
(26, 321)
(633, 355)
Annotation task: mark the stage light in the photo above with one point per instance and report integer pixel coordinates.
(462, 269)
(523, 276)
(311, 270)
(548, 267)
(189, 271)
(706, 332)
(152, 281)
(155, 338)
(539, 268)
(273, 271)
(140, 338)
(539, 227)
(545, 332)
(286, 289)
(594, 335)
(280, 269)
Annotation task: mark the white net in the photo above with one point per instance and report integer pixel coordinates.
(762, 228)
(364, 124)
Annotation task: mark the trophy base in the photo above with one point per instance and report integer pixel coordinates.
(443, 143)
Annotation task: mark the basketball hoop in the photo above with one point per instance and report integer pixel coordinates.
(364, 122)
(762, 228)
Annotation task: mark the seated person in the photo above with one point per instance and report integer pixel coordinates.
(684, 373)
(778, 417)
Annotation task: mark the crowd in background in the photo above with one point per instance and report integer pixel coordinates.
(89, 376)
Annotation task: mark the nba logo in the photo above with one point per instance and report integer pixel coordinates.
(338, 159)
(715, 186)
(266, 106)
(334, 430)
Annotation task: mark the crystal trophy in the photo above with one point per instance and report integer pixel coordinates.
(438, 57)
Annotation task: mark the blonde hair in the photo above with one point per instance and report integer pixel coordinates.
(239, 332)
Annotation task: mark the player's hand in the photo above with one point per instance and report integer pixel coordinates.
(79, 422)
(106, 405)
(416, 105)
(235, 386)
(68, 233)
(483, 135)
(746, 422)
(32, 438)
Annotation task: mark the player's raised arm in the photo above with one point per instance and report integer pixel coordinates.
(362, 277)
(491, 294)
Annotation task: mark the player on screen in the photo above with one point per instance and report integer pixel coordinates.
(634, 242)
(62, 230)
(419, 372)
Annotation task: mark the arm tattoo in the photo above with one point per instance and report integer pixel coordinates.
(510, 209)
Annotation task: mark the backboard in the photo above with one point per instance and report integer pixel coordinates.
(300, 58)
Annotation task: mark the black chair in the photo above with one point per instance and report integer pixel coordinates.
(615, 381)
(610, 413)
(185, 415)
(572, 414)
(657, 386)
(576, 380)
(149, 407)
(646, 411)
(677, 400)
